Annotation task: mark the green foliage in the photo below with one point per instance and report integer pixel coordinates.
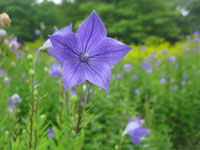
(171, 117)
(130, 20)
(26, 16)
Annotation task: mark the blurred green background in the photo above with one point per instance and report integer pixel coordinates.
(162, 84)
(131, 20)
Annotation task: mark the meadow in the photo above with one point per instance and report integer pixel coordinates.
(99, 75)
(157, 81)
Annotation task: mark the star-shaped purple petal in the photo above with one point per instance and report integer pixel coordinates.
(88, 54)
(135, 131)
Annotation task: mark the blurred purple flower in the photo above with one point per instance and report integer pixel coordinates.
(174, 88)
(154, 54)
(135, 131)
(74, 91)
(14, 99)
(134, 77)
(37, 32)
(2, 71)
(143, 48)
(187, 42)
(172, 59)
(185, 77)
(11, 104)
(88, 54)
(83, 95)
(196, 40)
(40, 58)
(14, 44)
(56, 70)
(20, 55)
(127, 67)
(196, 33)
(163, 81)
(158, 62)
(196, 50)
(89, 94)
(137, 91)
(146, 66)
(35, 82)
(119, 76)
(183, 83)
(50, 132)
(163, 51)
(112, 67)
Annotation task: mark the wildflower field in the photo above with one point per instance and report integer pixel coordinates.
(85, 90)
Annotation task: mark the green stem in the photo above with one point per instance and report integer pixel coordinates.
(32, 113)
(120, 143)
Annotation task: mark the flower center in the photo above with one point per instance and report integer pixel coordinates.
(84, 57)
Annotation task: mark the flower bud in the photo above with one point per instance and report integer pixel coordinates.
(31, 72)
(23, 131)
(74, 98)
(4, 20)
(3, 34)
(6, 132)
(73, 134)
(30, 57)
(35, 93)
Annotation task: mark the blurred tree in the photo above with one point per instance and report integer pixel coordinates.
(27, 15)
(193, 17)
(189, 22)
(130, 20)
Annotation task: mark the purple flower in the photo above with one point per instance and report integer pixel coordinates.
(14, 44)
(112, 67)
(2, 71)
(163, 81)
(89, 94)
(187, 42)
(47, 45)
(50, 132)
(172, 58)
(196, 33)
(83, 95)
(135, 131)
(185, 77)
(183, 83)
(196, 40)
(11, 104)
(127, 67)
(37, 32)
(196, 50)
(143, 48)
(88, 54)
(56, 71)
(74, 91)
(20, 55)
(35, 82)
(137, 91)
(119, 76)
(163, 51)
(146, 66)
(40, 58)
(14, 99)
(174, 88)
(158, 62)
(134, 77)
(154, 54)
